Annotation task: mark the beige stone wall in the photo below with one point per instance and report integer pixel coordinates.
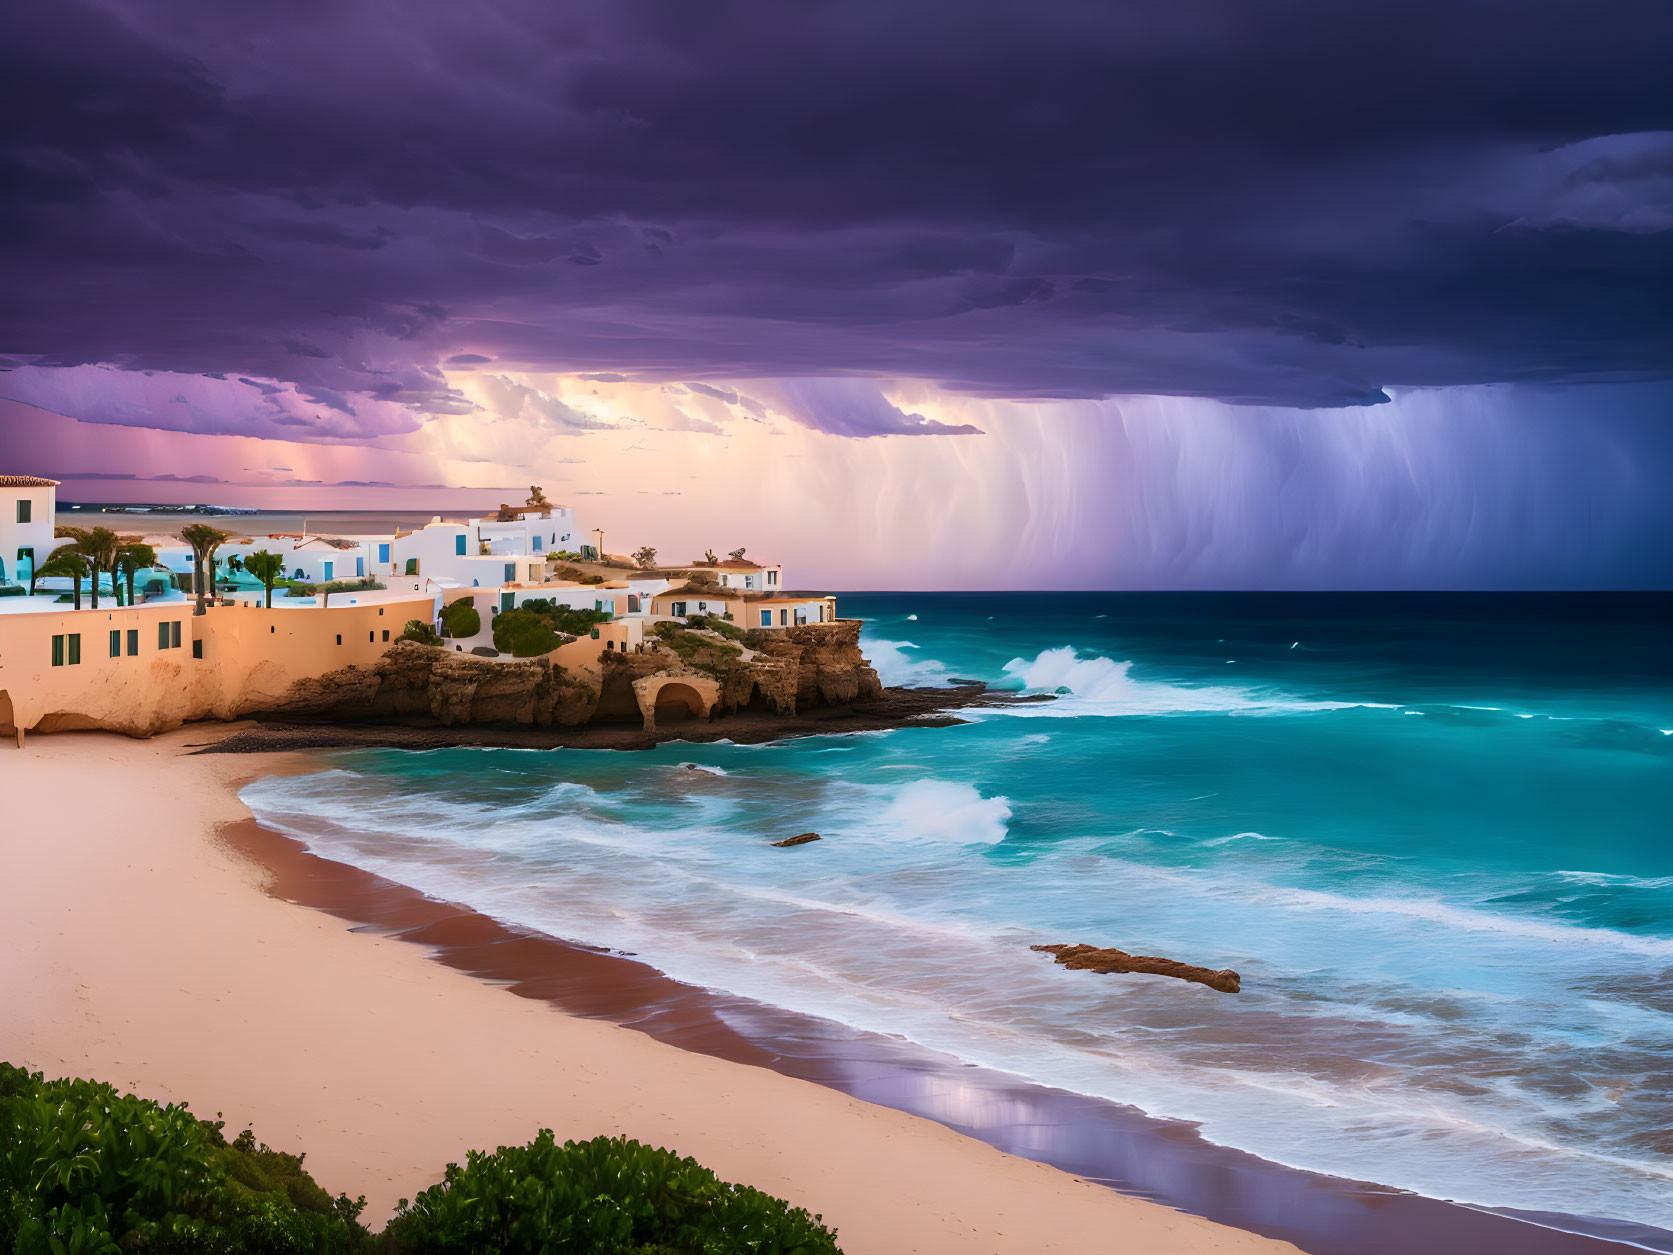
(251, 656)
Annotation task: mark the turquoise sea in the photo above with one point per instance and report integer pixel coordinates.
(1434, 833)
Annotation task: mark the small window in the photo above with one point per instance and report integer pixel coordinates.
(386, 634)
(197, 649)
(162, 635)
(115, 642)
(677, 609)
(783, 617)
(25, 510)
(766, 618)
(133, 642)
(380, 612)
(372, 637)
(174, 635)
(383, 554)
(73, 641)
(510, 571)
(271, 629)
(537, 544)
(459, 544)
(58, 651)
(339, 638)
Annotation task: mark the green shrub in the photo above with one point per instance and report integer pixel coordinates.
(608, 1195)
(85, 1170)
(420, 631)
(461, 618)
(301, 588)
(525, 634)
(571, 621)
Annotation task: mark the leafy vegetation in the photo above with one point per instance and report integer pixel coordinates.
(570, 620)
(699, 650)
(86, 1170)
(461, 618)
(420, 631)
(604, 1195)
(301, 588)
(525, 634)
(204, 540)
(266, 567)
(715, 623)
(645, 557)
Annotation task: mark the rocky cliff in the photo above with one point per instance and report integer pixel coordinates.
(784, 672)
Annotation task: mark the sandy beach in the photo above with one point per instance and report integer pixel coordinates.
(140, 948)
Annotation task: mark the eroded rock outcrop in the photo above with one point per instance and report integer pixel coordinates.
(801, 838)
(783, 672)
(1093, 959)
(449, 687)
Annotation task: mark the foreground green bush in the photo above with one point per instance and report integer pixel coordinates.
(85, 1170)
(609, 1195)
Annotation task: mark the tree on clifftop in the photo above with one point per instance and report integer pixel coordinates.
(65, 564)
(204, 540)
(266, 567)
(132, 556)
(645, 557)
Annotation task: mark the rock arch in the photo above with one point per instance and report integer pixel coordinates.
(689, 695)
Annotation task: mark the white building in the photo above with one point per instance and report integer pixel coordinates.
(27, 507)
(750, 577)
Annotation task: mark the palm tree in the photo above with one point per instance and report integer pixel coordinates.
(65, 563)
(204, 540)
(97, 546)
(131, 556)
(266, 567)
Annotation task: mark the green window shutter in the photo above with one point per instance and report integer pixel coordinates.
(115, 642)
(162, 635)
(174, 635)
(133, 641)
(74, 648)
(58, 651)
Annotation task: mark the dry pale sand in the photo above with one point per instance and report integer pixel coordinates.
(137, 948)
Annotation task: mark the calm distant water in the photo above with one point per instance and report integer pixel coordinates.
(1433, 833)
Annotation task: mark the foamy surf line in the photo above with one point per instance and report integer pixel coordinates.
(410, 843)
(1094, 685)
(1095, 1139)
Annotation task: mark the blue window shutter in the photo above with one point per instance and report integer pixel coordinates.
(510, 570)
(766, 618)
(537, 544)
(360, 566)
(328, 568)
(459, 544)
(383, 553)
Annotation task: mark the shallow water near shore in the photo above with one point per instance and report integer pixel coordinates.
(1431, 833)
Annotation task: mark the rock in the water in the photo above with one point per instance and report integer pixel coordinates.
(799, 839)
(1092, 959)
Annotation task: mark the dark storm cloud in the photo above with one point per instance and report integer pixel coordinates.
(1285, 202)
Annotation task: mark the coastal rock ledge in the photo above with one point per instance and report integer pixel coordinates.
(1092, 959)
(784, 672)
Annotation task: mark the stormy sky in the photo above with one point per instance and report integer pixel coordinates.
(454, 238)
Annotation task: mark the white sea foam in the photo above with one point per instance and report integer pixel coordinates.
(941, 810)
(1097, 685)
(898, 668)
(907, 921)
(705, 767)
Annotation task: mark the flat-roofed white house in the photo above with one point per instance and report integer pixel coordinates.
(750, 576)
(28, 504)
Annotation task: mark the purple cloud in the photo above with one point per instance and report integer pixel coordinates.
(1293, 204)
